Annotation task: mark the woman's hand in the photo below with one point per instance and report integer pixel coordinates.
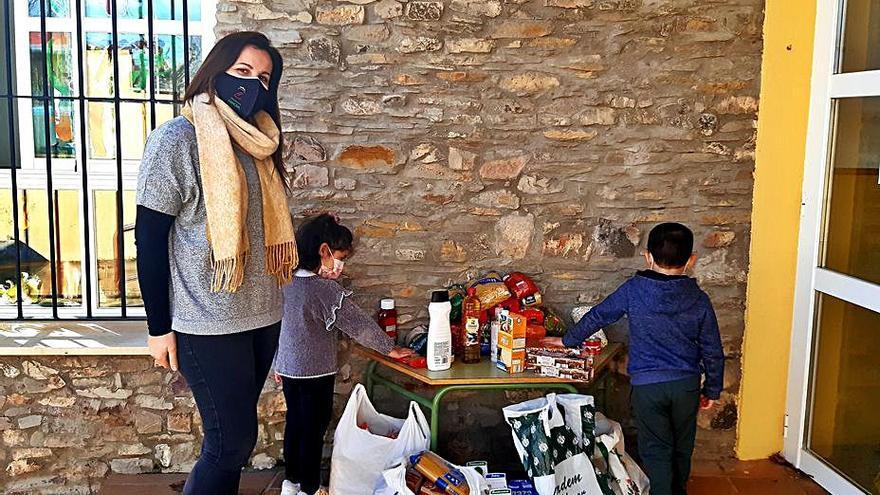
(163, 349)
(400, 353)
(552, 342)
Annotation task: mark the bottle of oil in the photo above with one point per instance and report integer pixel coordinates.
(470, 323)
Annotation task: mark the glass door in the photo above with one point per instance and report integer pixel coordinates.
(833, 414)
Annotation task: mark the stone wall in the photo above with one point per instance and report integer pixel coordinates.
(67, 422)
(457, 137)
(546, 136)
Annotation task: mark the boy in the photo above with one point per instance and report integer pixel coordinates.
(673, 339)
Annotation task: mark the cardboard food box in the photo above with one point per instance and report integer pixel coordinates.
(556, 357)
(513, 332)
(511, 360)
(581, 375)
(522, 487)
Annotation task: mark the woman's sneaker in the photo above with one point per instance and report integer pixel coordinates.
(291, 488)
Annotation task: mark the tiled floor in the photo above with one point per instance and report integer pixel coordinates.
(709, 478)
(732, 477)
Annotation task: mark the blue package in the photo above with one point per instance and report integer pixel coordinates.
(522, 487)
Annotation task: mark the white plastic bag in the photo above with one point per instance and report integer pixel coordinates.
(619, 471)
(396, 480)
(360, 456)
(551, 450)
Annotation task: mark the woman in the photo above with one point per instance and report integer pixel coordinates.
(215, 242)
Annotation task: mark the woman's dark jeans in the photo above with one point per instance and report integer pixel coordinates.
(226, 374)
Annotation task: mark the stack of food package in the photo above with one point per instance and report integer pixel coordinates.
(571, 364)
(512, 306)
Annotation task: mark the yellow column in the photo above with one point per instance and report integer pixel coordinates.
(779, 166)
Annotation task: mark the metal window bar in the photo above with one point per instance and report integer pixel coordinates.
(50, 190)
(84, 147)
(117, 107)
(46, 98)
(13, 152)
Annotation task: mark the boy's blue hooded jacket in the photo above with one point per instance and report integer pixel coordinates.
(673, 333)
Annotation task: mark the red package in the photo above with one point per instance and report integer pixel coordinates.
(520, 285)
(533, 316)
(511, 305)
(534, 335)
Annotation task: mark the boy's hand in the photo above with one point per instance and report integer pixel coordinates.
(706, 403)
(400, 353)
(277, 377)
(552, 342)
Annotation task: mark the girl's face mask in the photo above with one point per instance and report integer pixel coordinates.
(332, 273)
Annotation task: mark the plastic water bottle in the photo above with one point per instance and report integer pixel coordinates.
(439, 332)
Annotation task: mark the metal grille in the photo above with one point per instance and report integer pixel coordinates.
(79, 101)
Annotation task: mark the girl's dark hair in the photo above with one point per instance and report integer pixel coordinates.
(316, 231)
(222, 57)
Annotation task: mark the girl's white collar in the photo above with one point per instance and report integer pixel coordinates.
(304, 273)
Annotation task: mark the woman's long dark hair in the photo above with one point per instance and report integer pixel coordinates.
(222, 57)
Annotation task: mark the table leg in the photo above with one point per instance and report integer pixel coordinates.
(370, 372)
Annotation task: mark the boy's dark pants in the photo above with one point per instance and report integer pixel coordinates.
(666, 417)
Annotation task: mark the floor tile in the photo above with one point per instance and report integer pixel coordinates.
(767, 487)
(755, 469)
(710, 485)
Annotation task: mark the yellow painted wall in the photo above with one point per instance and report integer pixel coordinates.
(779, 166)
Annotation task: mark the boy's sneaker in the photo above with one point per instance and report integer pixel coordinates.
(291, 488)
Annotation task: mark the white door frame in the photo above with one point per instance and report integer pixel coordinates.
(825, 86)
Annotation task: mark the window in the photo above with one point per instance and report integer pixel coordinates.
(835, 359)
(83, 84)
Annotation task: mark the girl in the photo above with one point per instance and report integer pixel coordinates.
(316, 308)
(215, 242)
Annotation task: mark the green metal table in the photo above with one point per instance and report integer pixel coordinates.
(465, 377)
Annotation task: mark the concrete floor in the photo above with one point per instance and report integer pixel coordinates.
(709, 478)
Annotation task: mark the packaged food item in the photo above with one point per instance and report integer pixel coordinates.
(581, 375)
(414, 480)
(558, 357)
(511, 360)
(533, 300)
(414, 361)
(493, 340)
(511, 304)
(520, 285)
(521, 487)
(439, 332)
(387, 318)
(554, 325)
(533, 316)
(470, 322)
(481, 466)
(491, 290)
(430, 488)
(436, 469)
(534, 335)
(417, 339)
(496, 480)
(456, 298)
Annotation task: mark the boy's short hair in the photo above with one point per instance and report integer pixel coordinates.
(671, 244)
(315, 232)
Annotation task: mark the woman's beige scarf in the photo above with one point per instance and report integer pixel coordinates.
(226, 193)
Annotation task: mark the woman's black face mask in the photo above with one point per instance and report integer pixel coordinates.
(245, 95)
